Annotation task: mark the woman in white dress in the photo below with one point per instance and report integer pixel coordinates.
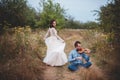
(55, 55)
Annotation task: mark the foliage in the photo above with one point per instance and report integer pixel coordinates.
(109, 16)
(51, 10)
(109, 21)
(16, 13)
(79, 25)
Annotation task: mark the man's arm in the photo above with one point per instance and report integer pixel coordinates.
(70, 57)
(86, 57)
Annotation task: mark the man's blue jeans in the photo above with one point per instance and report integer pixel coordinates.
(75, 66)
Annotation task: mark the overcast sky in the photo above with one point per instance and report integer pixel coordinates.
(81, 10)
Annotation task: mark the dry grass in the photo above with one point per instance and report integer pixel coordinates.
(20, 55)
(22, 51)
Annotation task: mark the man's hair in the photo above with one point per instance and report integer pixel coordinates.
(76, 43)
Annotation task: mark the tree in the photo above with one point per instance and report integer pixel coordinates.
(51, 11)
(109, 16)
(110, 19)
(16, 13)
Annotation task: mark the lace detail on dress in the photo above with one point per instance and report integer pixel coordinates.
(53, 32)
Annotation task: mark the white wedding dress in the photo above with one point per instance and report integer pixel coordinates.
(55, 55)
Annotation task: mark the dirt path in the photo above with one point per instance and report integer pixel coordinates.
(62, 73)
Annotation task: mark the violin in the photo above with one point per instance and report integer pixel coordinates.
(85, 50)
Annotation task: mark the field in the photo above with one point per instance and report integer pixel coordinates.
(23, 49)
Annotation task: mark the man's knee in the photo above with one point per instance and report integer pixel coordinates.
(72, 67)
(87, 65)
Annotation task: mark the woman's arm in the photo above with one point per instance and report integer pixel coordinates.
(55, 33)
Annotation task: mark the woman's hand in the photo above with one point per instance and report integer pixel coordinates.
(63, 41)
(44, 38)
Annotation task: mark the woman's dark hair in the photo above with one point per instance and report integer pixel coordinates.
(51, 23)
(76, 43)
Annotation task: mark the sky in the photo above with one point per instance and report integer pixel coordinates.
(80, 10)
